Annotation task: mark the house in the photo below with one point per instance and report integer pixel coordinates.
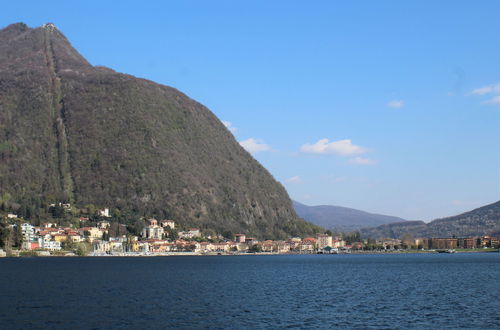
(91, 232)
(103, 224)
(104, 213)
(251, 241)
(294, 243)
(240, 238)
(205, 247)
(168, 223)
(221, 247)
(308, 245)
(267, 246)
(66, 206)
(74, 236)
(161, 246)
(11, 216)
(49, 245)
(192, 233)
(100, 246)
(46, 225)
(116, 246)
(338, 243)
(153, 231)
(152, 222)
(60, 238)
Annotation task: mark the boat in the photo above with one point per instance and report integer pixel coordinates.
(446, 251)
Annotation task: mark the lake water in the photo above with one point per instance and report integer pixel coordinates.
(302, 291)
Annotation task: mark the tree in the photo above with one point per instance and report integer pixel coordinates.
(18, 235)
(68, 244)
(57, 211)
(172, 234)
(137, 227)
(228, 234)
(82, 249)
(5, 233)
(255, 248)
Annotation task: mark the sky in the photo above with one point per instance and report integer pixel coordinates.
(390, 107)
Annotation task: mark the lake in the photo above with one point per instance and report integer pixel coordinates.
(282, 291)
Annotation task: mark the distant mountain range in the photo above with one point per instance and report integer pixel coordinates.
(342, 218)
(478, 222)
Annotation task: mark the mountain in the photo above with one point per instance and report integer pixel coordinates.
(74, 132)
(478, 222)
(341, 218)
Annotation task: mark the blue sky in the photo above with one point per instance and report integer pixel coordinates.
(386, 106)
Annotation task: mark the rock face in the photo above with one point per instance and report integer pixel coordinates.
(70, 131)
(341, 218)
(478, 222)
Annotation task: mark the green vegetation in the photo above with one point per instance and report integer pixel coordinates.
(74, 133)
(255, 248)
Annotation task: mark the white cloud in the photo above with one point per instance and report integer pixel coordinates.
(362, 161)
(252, 145)
(341, 147)
(396, 104)
(295, 180)
(495, 100)
(230, 126)
(486, 90)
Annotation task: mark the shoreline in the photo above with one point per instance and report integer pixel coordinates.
(201, 254)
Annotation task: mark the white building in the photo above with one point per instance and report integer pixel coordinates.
(324, 240)
(28, 232)
(168, 223)
(194, 232)
(153, 232)
(49, 245)
(104, 213)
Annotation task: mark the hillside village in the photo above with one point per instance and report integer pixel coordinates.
(101, 236)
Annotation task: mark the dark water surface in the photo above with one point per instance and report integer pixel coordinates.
(314, 291)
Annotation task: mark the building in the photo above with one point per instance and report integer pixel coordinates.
(153, 232)
(49, 245)
(192, 233)
(168, 223)
(240, 238)
(91, 232)
(324, 240)
(442, 243)
(46, 225)
(467, 243)
(104, 213)
(28, 232)
(251, 241)
(338, 243)
(308, 245)
(103, 225)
